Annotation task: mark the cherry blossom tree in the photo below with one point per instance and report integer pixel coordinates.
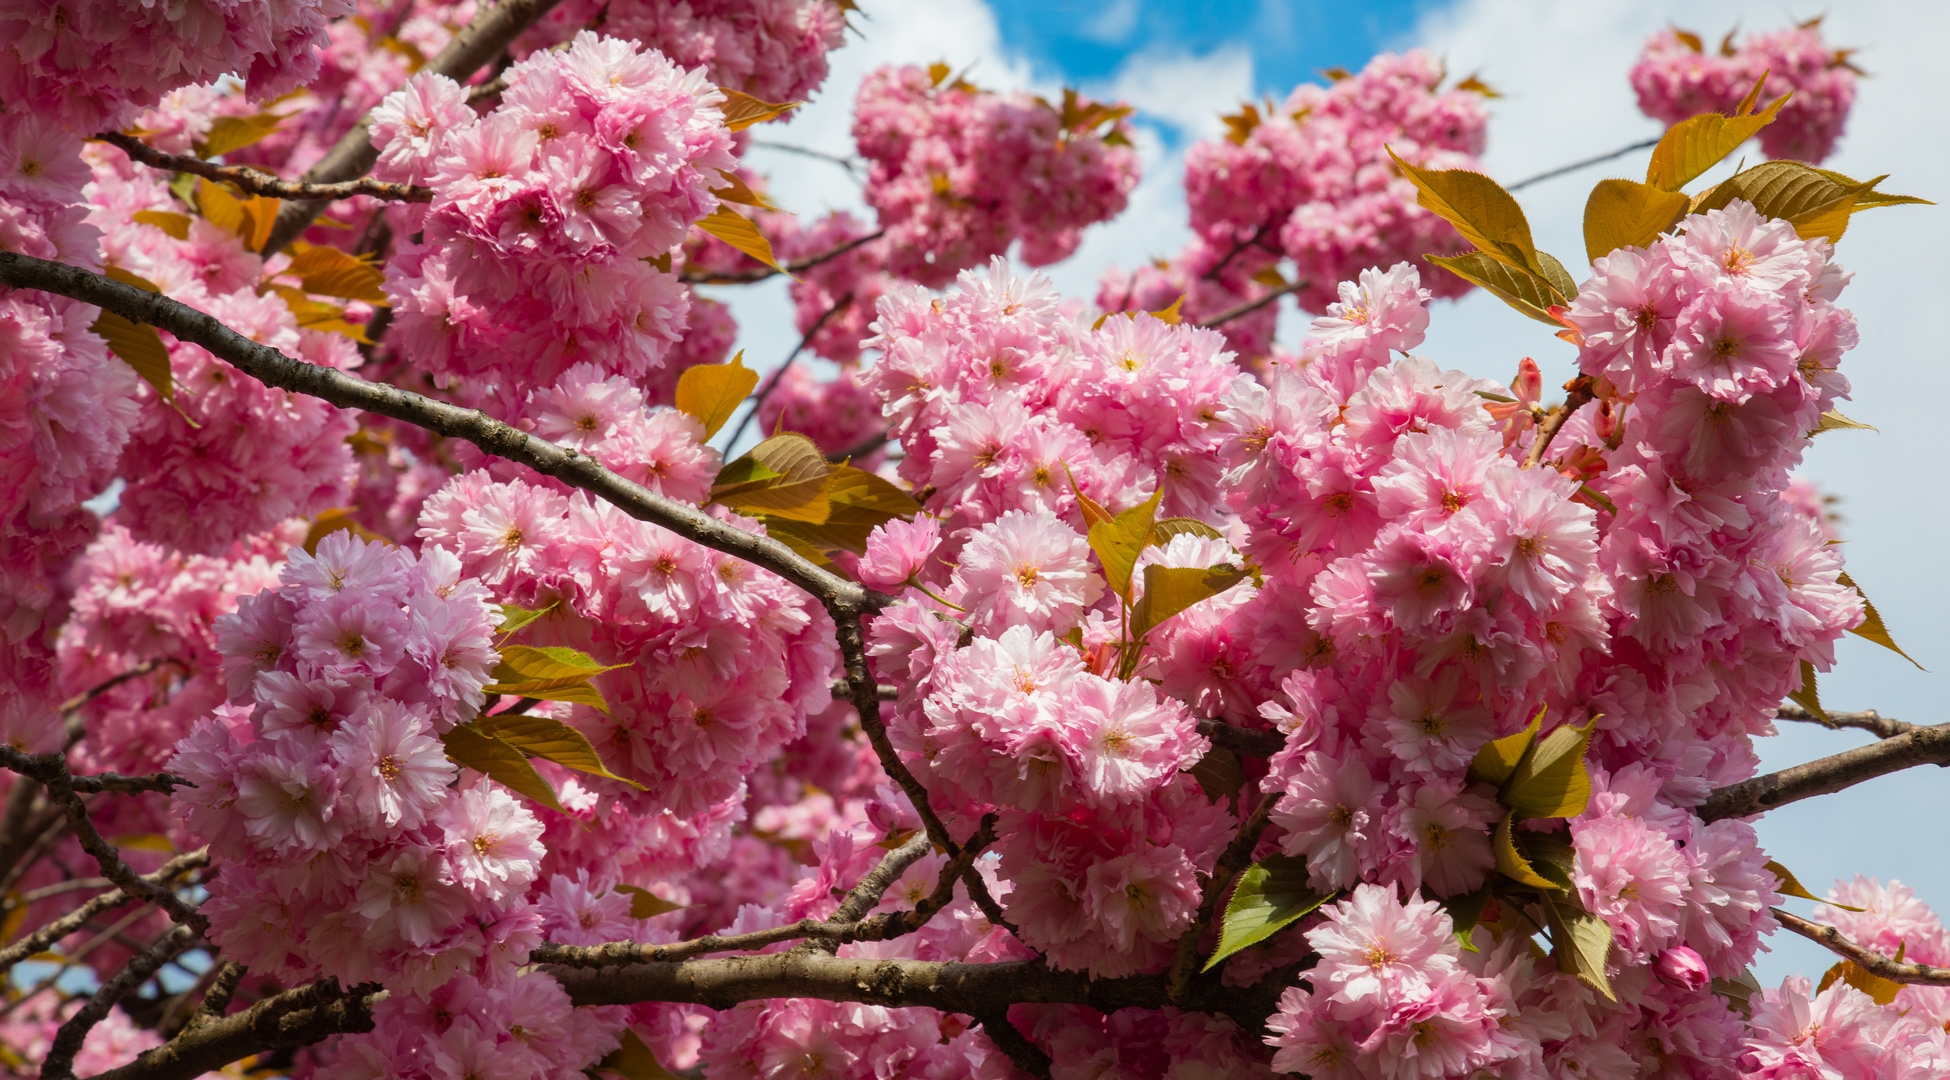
(398, 682)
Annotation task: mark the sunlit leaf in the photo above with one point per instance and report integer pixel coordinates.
(736, 190)
(1808, 696)
(785, 476)
(1272, 895)
(1872, 626)
(1582, 942)
(1120, 541)
(1498, 758)
(1549, 854)
(1477, 85)
(1485, 214)
(514, 618)
(1527, 292)
(327, 271)
(1169, 590)
(1165, 528)
(1692, 146)
(645, 904)
(1624, 213)
(868, 491)
(1552, 780)
(139, 346)
(229, 133)
(1882, 991)
(498, 761)
(552, 740)
(176, 225)
(741, 110)
(1835, 421)
(547, 662)
(737, 230)
(1094, 514)
(634, 1061)
(1172, 314)
(572, 689)
(1511, 862)
(1791, 886)
(711, 392)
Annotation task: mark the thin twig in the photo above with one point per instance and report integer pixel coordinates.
(1868, 959)
(259, 182)
(1580, 394)
(792, 266)
(1586, 163)
(1252, 305)
(874, 885)
(1237, 250)
(74, 704)
(851, 165)
(81, 916)
(778, 373)
(864, 447)
(1868, 720)
(52, 772)
(59, 1064)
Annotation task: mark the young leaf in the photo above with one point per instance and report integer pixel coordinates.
(1835, 421)
(1693, 146)
(514, 618)
(735, 229)
(1465, 912)
(1808, 696)
(645, 904)
(1169, 590)
(551, 740)
(1549, 854)
(1791, 886)
(327, 271)
(634, 1061)
(737, 191)
(1477, 85)
(1219, 774)
(548, 662)
(1093, 513)
(1582, 943)
(1623, 213)
(1498, 759)
(711, 392)
(1738, 991)
(784, 476)
(1120, 541)
(575, 690)
(1479, 208)
(140, 347)
(1527, 292)
(176, 225)
(742, 110)
(1272, 895)
(1172, 314)
(1551, 780)
(1872, 627)
(1881, 990)
(1511, 862)
(498, 761)
(1814, 201)
(229, 133)
(869, 492)
(338, 519)
(1165, 528)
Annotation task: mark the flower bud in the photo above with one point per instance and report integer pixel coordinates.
(1682, 967)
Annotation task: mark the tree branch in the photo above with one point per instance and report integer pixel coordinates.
(1869, 960)
(1867, 720)
(1026, 1055)
(1236, 857)
(258, 182)
(1251, 306)
(59, 1064)
(1918, 746)
(792, 266)
(273, 368)
(1586, 163)
(778, 373)
(480, 41)
(294, 1018)
(873, 886)
(1252, 742)
(1579, 395)
(81, 916)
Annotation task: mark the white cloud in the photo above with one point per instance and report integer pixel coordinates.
(1189, 93)
(1563, 70)
(1113, 25)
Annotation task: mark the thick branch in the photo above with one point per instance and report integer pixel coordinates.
(1871, 961)
(294, 1018)
(258, 182)
(1919, 746)
(273, 368)
(1867, 720)
(1026, 1055)
(81, 916)
(873, 886)
(480, 41)
(59, 1064)
(1579, 395)
(792, 266)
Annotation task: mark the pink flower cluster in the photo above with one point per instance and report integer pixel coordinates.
(539, 248)
(93, 65)
(959, 174)
(1675, 78)
(1312, 180)
(774, 50)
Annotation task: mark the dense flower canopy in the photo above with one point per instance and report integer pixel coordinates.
(410, 649)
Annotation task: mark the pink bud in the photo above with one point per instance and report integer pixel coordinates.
(1682, 967)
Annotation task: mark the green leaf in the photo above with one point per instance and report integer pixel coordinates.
(499, 762)
(1093, 513)
(140, 347)
(867, 491)
(1835, 421)
(1527, 292)
(859, 502)
(1581, 942)
(1120, 541)
(1560, 279)
(1815, 202)
(548, 662)
(735, 229)
(514, 618)
(176, 225)
(1791, 886)
(1693, 146)
(1219, 774)
(1549, 854)
(742, 110)
(785, 476)
(1872, 627)
(1738, 991)
(635, 1061)
(1169, 590)
(1552, 779)
(737, 191)
(229, 133)
(1165, 528)
(575, 690)
(645, 904)
(711, 392)
(1511, 862)
(1624, 213)
(1809, 696)
(327, 271)
(1465, 912)
(551, 740)
(1272, 895)
(1498, 759)
(1479, 208)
